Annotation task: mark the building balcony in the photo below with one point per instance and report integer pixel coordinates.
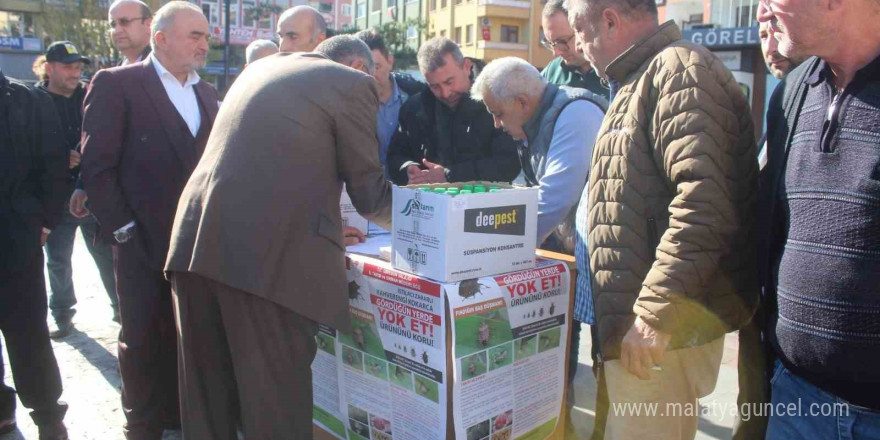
(519, 4)
(498, 45)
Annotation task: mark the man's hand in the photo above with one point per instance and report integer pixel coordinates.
(352, 236)
(75, 158)
(78, 203)
(643, 347)
(435, 173)
(415, 175)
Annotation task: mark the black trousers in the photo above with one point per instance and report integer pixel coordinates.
(147, 344)
(244, 361)
(23, 311)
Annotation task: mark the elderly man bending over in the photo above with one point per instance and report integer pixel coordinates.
(556, 127)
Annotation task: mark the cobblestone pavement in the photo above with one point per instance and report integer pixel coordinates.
(87, 359)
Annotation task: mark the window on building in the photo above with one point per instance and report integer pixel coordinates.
(510, 34)
(433, 5)
(457, 35)
(442, 4)
(361, 10)
(247, 7)
(377, 5)
(412, 32)
(390, 3)
(458, 2)
(346, 10)
(234, 21)
(212, 11)
(443, 33)
(734, 13)
(17, 24)
(746, 16)
(469, 35)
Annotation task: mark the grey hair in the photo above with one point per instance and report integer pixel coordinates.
(319, 24)
(253, 50)
(164, 18)
(145, 9)
(346, 49)
(591, 10)
(433, 52)
(552, 7)
(507, 78)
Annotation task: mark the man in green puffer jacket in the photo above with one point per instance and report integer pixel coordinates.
(673, 191)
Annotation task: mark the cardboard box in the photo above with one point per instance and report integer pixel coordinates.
(350, 216)
(454, 238)
(353, 386)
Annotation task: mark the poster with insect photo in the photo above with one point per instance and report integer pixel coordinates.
(392, 364)
(509, 337)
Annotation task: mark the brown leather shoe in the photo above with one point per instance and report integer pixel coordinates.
(53, 431)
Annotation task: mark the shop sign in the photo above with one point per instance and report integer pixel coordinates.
(724, 37)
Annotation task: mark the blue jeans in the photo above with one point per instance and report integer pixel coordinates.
(820, 415)
(59, 249)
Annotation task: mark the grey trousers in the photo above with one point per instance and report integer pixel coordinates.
(243, 362)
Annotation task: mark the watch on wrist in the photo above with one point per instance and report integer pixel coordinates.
(123, 234)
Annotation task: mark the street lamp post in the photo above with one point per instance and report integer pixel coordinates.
(226, 50)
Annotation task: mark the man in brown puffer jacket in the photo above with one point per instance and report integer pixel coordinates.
(673, 192)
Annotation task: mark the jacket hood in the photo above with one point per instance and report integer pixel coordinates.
(632, 58)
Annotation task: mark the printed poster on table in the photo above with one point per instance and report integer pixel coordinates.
(391, 367)
(509, 337)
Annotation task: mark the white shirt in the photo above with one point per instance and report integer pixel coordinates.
(182, 96)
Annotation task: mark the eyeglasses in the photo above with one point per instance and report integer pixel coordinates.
(124, 22)
(561, 44)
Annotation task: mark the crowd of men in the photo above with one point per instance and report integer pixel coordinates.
(217, 233)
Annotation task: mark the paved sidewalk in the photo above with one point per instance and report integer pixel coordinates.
(87, 359)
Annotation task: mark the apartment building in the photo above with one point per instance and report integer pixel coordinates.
(490, 29)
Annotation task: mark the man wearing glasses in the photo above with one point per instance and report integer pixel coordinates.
(130, 29)
(569, 68)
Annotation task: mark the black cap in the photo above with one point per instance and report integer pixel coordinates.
(64, 52)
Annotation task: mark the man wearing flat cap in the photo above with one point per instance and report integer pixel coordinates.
(64, 66)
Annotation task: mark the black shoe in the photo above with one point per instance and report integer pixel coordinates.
(7, 425)
(53, 431)
(60, 329)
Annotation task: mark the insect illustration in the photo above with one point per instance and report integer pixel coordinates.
(359, 337)
(413, 352)
(424, 356)
(375, 368)
(483, 334)
(421, 388)
(500, 357)
(322, 343)
(398, 372)
(533, 313)
(552, 308)
(541, 313)
(544, 341)
(354, 291)
(349, 359)
(472, 368)
(470, 288)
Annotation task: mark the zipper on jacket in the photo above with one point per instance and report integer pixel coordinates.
(829, 127)
(652, 234)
